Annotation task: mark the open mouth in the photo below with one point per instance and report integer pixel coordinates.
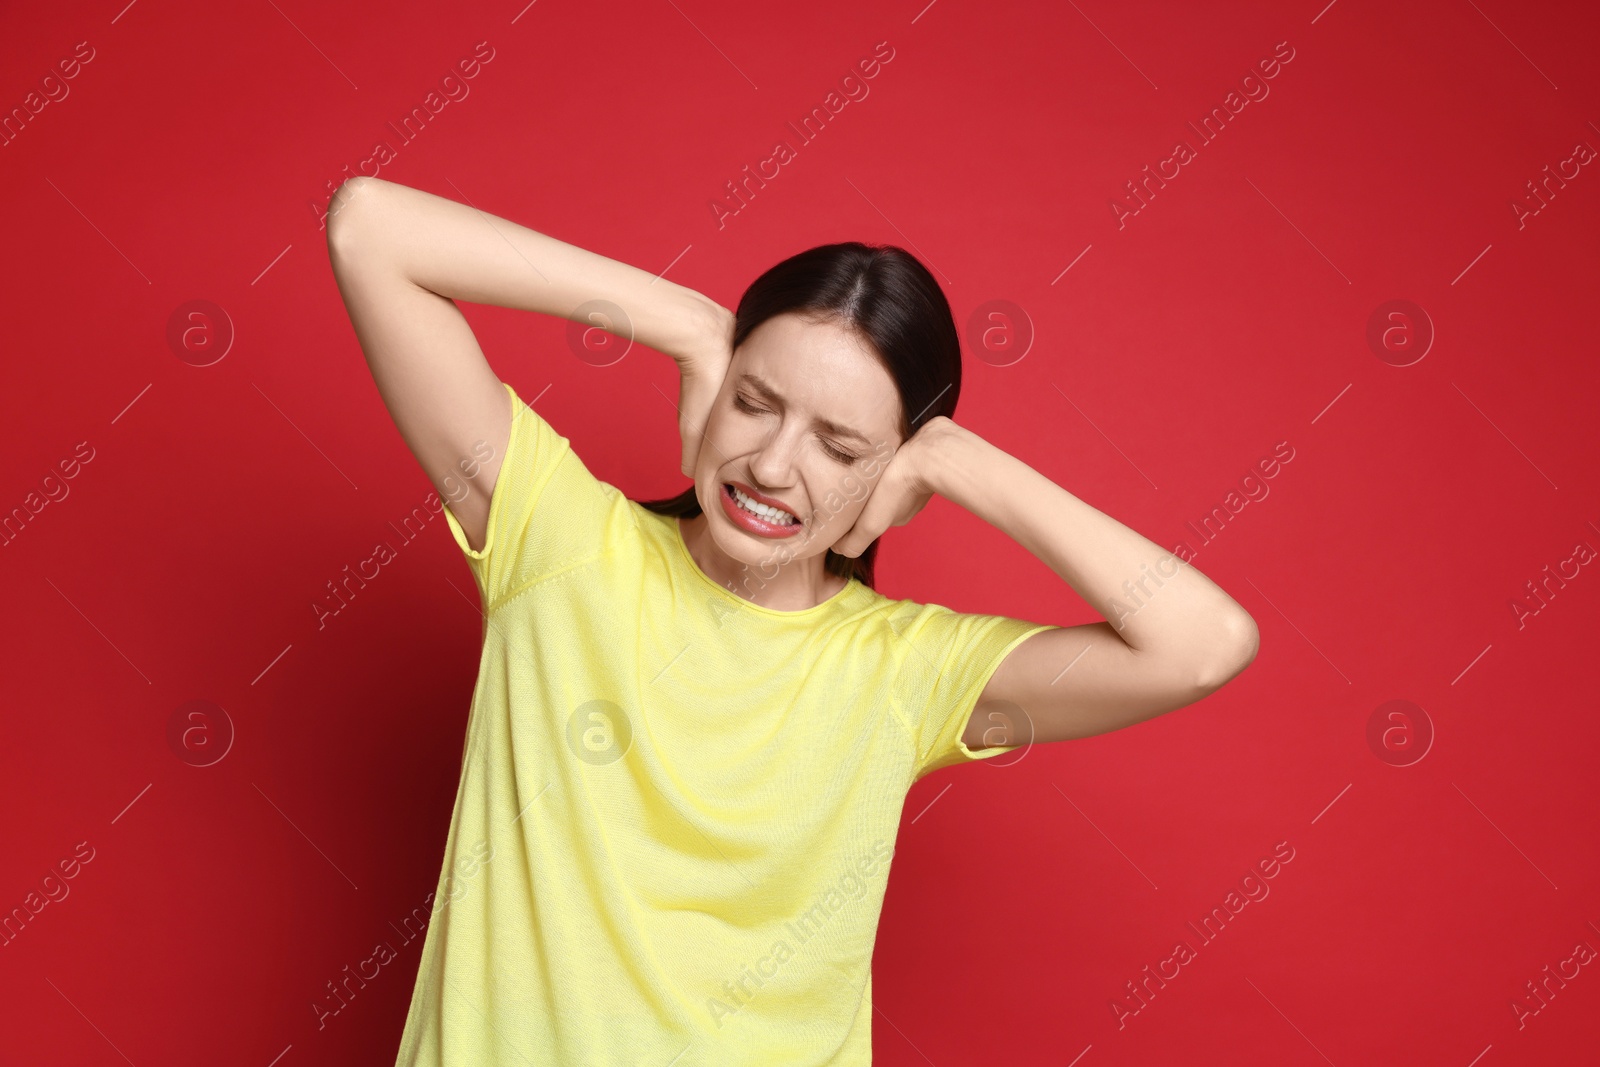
(764, 518)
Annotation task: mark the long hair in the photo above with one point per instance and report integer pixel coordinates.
(884, 294)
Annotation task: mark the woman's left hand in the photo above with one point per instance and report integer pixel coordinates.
(900, 492)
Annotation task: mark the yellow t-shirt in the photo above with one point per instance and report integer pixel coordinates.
(677, 808)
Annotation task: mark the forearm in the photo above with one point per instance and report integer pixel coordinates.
(462, 253)
(1158, 604)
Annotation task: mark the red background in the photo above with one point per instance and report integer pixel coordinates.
(1228, 315)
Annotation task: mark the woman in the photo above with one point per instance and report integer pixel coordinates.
(695, 721)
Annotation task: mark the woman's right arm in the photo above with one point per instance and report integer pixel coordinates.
(401, 258)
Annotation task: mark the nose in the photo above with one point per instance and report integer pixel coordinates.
(773, 465)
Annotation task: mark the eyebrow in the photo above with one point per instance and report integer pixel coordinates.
(762, 386)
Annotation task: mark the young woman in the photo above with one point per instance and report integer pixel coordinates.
(695, 720)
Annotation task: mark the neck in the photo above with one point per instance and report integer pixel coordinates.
(798, 584)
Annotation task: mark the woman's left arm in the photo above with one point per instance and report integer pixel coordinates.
(1172, 636)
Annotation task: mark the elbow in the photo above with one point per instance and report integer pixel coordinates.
(350, 202)
(1236, 652)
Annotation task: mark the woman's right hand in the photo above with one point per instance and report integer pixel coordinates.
(701, 371)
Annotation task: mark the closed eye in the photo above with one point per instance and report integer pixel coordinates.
(744, 405)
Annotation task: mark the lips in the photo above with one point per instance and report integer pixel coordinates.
(750, 521)
(767, 500)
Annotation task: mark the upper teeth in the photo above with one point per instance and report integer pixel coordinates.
(781, 518)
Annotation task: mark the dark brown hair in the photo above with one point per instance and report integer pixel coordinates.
(885, 295)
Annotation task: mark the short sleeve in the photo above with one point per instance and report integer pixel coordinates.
(949, 658)
(547, 512)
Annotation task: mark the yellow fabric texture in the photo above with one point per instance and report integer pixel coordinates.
(677, 808)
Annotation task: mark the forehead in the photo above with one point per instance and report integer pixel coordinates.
(824, 370)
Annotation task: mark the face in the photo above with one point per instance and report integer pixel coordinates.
(806, 421)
